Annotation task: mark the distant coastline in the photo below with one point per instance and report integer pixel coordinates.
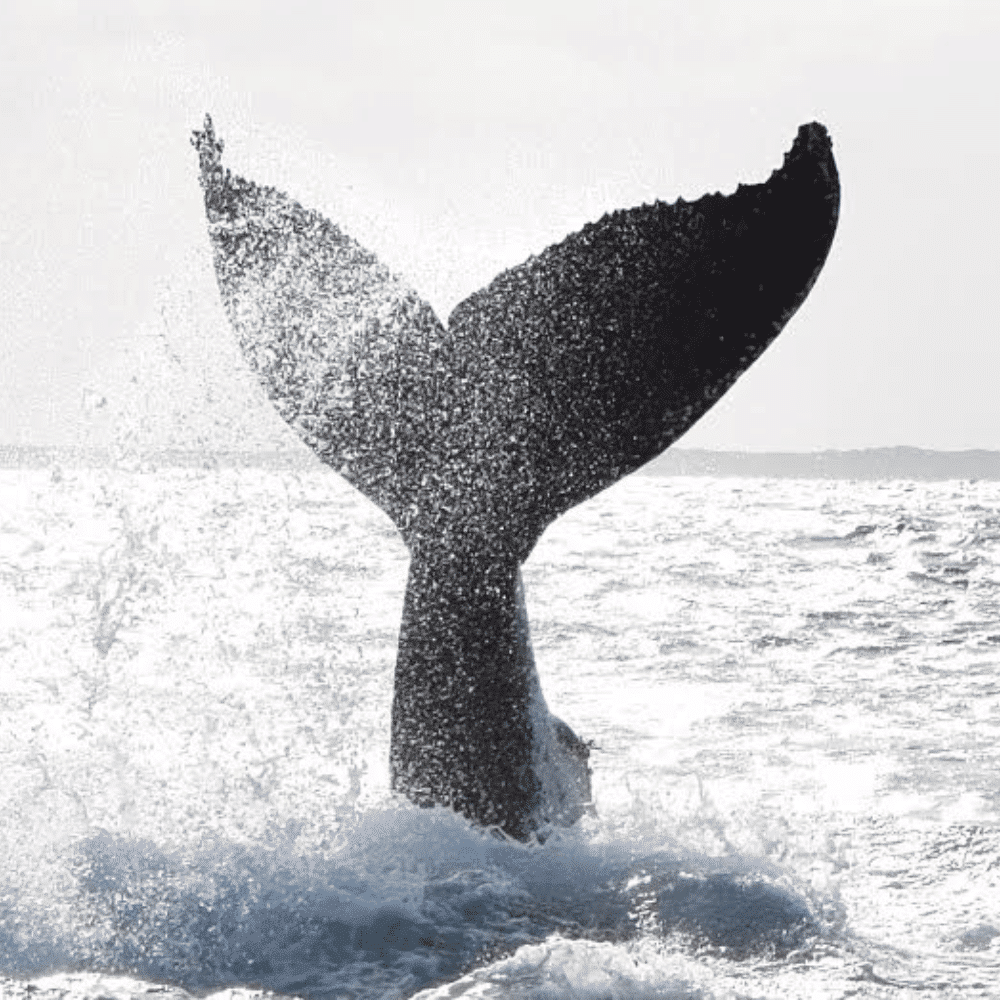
(867, 464)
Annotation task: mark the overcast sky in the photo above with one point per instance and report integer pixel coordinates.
(457, 139)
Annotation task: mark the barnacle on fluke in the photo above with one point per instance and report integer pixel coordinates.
(554, 381)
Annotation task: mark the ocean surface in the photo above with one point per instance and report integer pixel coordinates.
(793, 687)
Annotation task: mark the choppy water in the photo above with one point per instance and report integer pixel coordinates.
(793, 686)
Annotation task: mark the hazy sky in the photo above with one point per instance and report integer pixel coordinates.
(458, 139)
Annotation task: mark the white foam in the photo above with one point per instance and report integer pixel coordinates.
(582, 970)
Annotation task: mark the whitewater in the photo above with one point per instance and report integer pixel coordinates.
(791, 687)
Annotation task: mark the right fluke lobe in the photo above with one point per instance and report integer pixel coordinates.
(607, 347)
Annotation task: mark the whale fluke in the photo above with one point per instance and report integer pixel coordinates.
(557, 379)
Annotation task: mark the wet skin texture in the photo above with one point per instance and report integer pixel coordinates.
(545, 387)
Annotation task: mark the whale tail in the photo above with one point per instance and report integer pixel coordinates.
(551, 383)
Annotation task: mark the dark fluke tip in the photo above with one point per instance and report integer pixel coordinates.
(209, 150)
(814, 136)
(812, 144)
(813, 150)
